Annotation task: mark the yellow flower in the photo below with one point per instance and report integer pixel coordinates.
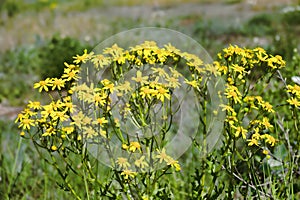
(252, 142)
(240, 131)
(267, 106)
(101, 121)
(49, 131)
(266, 123)
(125, 87)
(173, 82)
(162, 93)
(160, 71)
(108, 85)
(59, 115)
(123, 162)
(232, 92)
(83, 58)
(57, 83)
(89, 132)
(68, 129)
(133, 146)
(174, 163)
(35, 105)
(294, 89)
(141, 163)
(128, 173)
(114, 51)
(269, 139)
(294, 102)
(139, 78)
(26, 123)
(43, 85)
(100, 60)
(145, 91)
(53, 148)
(162, 156)
(70, 74)
(238, 68)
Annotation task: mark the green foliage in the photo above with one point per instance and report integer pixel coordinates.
(24, 65)
(57, 51)
(259, 25)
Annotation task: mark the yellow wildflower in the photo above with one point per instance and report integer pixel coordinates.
(26, 123)
(123, 162)
(240, 131)
(57, 83)
(133, 146)
(162, 156)
(294, 102)
(162, 93)
(141, 163)
(128, 173)
(35, 105)
(139, 78)
(43, 85)
(83, 58)
(232, 92)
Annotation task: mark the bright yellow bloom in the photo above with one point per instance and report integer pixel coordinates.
(26, 123)
(240, 131)
(83, 58)
(68, 129)
(128, 173)
(294, 102)
(266, 123)
(232, 92)
(70, 74)
(269, 139)
(295, 89)
(162, 93)
(267, 106)
(101, 121)
(57, 83)
(53, 148)
(49, 131)
(35, 105)
(193, 83)
(43, 85)
(145, 91)
(133, 146)
(174, 163)
(59, 115)
(108, 85)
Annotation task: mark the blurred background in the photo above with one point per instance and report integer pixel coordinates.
(38, 36)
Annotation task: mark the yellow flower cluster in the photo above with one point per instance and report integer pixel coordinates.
(294, 90)
(236, 65)
(141, 162)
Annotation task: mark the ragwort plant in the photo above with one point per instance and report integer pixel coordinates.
(63, 127)
(140, 165)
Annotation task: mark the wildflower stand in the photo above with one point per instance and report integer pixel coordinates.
(128, 110)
